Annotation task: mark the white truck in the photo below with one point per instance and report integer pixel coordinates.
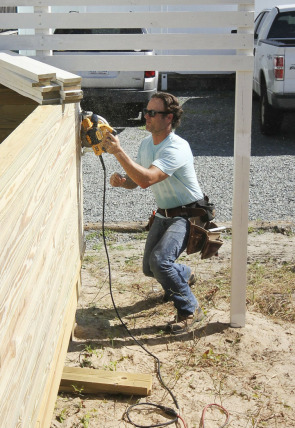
(274, 65)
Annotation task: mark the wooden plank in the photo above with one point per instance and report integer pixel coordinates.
(146, 3)
(126, 20)
(35, 70)
(35, 82)
(19, 81)
(25, 66)
(48, 97)
(93, 381)
(169, 41)
(157, 62)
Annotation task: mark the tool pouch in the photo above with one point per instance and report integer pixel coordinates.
(208, 206)
(202, 240)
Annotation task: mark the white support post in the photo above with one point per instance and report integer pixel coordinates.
(242, 153)
(241, 198)
(43, 31)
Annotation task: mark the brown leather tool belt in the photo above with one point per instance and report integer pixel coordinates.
(189, 210)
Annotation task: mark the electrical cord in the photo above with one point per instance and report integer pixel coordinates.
(221, 408)
(167, 410)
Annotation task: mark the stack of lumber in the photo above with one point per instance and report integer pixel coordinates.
(40, 82)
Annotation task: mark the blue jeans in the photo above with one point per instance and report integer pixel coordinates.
(166, 240)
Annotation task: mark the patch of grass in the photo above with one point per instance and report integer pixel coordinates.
(85, 420)
(141, 236)
(62, 416)
(119, 247)
(96, 234)
(88, 258)
(272, 290)
(91, 235)
(130, 261)
(97, 247)
(107, 232)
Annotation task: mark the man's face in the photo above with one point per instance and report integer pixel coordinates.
(159, 123)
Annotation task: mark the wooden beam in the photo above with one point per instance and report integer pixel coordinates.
(178, 19)
(146, 3)
(152, 62)
(127, 41)
(93, 381)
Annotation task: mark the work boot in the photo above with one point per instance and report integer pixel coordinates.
(185, 323)
(191, 281)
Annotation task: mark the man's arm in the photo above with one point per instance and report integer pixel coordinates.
(118, 180)
(143, 177)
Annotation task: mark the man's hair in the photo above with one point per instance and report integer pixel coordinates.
(171, 105)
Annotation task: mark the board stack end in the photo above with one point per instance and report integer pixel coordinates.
(42, 83)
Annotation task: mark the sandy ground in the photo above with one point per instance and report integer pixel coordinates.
(250, 371)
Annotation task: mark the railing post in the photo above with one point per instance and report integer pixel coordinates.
(242, 152)
(43, 31)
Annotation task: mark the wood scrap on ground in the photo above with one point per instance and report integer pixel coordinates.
(42, 83)
(93, 381)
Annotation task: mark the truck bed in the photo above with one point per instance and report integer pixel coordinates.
(279, 42)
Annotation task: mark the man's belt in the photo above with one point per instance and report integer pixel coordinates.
(183, 211)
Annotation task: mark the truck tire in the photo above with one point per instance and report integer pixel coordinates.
(270, 118)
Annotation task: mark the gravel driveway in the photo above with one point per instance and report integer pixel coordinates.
(208, 125)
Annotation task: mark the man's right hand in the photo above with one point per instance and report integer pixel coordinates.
(117, 180)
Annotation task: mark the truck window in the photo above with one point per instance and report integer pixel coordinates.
(259, 22)
(283, 26)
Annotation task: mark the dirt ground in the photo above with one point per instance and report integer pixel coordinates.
(249, 371)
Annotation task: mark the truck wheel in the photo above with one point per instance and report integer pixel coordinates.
(270, 118)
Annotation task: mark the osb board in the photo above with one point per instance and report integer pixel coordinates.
(41, 245)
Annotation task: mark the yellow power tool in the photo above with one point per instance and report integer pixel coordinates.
(93, 130)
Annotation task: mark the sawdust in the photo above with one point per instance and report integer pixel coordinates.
(250, 371)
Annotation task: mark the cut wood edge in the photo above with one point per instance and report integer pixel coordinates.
(94, 381)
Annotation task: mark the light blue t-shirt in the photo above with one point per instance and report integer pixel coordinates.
(174, 157)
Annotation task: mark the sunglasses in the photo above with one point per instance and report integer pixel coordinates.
(152, 113)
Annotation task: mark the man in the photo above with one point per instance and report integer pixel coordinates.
(165, 163)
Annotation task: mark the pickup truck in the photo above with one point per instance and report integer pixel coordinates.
(274, 65)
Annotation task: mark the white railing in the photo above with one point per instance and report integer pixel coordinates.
(180, 27)
(206, 31)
